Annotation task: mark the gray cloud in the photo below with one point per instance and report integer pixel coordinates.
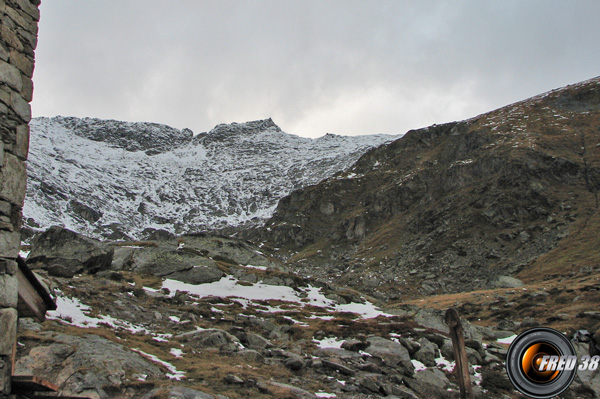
(347, 67)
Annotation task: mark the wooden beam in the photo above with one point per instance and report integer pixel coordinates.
(13, 358)
(30, 383)
(44, 396)
(460, 353)
(31, 303)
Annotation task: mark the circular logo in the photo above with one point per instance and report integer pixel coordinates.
(541, 363)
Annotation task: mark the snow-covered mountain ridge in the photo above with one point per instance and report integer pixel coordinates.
(100, 177)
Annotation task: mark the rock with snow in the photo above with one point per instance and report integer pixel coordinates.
(392, 353)
(83, 365)
(106, 178)
(427, 353)
(64, 253)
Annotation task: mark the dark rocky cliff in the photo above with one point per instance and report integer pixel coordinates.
(454, 207)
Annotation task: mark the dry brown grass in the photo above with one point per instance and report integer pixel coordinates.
(561, 309)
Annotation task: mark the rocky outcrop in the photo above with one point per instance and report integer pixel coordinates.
(193, 259)
(393, 354)
(64, 253)
(165, 262)
(453, 207)
(152, 138)
(86, 365)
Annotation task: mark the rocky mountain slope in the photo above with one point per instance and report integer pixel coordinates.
(210, 317)
(202, 316)
(459, 206)
(110, 178)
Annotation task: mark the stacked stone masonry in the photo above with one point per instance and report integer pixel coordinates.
(18, 39)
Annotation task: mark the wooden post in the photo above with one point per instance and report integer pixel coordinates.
(460, 354)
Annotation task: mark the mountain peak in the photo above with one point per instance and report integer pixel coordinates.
(245, 128)
(132, 136)
(93, 175)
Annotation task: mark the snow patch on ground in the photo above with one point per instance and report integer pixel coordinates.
(333, 342)
(325, 395)
(418, 365)
(73, 312)
(228, 287)
(507, 340)
(173, 373)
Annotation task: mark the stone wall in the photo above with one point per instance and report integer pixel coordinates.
(18, 39)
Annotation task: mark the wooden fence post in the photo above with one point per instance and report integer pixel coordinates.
(460, 354)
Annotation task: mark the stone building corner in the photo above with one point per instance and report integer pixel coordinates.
(18, 40)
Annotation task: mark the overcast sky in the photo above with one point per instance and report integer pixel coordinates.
(315, 67)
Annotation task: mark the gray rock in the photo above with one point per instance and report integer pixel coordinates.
(184, 266)
(354, 345)
(425, 389)
(337, 352)
(447, 351)
(64, 253)
(411, 345)
(293, 391)
(434, 319)
(508, 282)
(434, 377)
(210, 338)
(403, 393)
(372, 382)
(250, 355)
(369, 367)
(427, 353)
(236, 251)
(233, 379)
(83, 364)
(176, 393)
(338, 365)
(122, 258)
(294, 363)
(588, 378)
(28, 324)
(392, 353)
(255, 341)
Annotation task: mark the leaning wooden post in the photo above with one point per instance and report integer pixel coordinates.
(460, 353)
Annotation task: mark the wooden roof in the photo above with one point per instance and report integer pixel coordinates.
(34, 299)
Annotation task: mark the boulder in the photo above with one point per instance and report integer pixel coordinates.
(64, 253)
(176, 393)
(588, 378)
(427, 353)
(508, 282)
(288, 391)
(84, 364)
(392, 353)
(432, 377)
(255, 341)
(425, 388)
(171, 263)
(354, 345)
(211, 338)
